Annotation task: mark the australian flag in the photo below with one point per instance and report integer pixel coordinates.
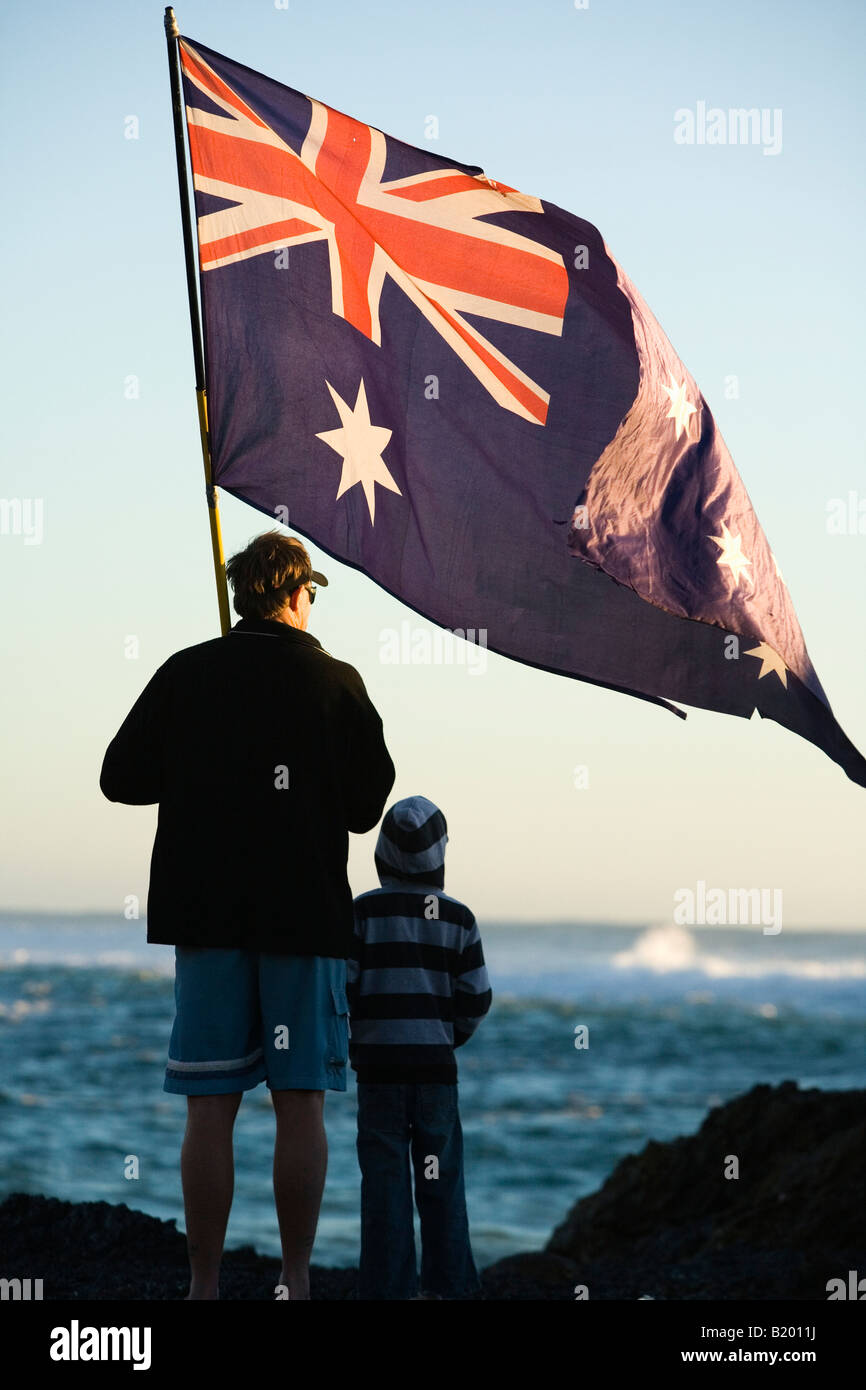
(455, 388)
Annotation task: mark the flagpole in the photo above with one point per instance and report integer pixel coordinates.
(171, 37)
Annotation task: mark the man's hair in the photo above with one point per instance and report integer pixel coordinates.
(266, 573)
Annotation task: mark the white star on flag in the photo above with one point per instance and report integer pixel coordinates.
(681, 408)
(732, 553)
(770, 661)
(361, 444)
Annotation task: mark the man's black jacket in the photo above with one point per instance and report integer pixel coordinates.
(263, 752)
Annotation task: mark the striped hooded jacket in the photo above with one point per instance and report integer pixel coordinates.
(416, 979)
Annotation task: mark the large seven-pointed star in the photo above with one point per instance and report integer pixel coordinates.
(360, 443)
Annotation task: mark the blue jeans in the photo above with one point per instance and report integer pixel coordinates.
(421, 1121)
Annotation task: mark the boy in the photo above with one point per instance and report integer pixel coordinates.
(418, 988)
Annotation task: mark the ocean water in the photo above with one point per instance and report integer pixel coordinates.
(679, 1019)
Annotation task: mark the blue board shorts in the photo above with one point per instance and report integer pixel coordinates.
(243, 1017)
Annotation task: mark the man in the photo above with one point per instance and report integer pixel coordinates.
(263, 752)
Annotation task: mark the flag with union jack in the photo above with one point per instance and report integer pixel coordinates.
(455, 388)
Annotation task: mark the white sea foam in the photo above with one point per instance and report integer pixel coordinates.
(23, 1008)
(561, 961)
(671, 949)
(82, 945)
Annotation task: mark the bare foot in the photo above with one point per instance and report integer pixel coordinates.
(294, 1290)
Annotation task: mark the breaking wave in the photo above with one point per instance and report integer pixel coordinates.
(670, 949)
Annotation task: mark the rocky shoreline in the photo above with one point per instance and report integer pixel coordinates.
(667, 1224)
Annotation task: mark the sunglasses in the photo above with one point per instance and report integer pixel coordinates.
(311, 588)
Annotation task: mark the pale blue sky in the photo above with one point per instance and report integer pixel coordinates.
(751, 264)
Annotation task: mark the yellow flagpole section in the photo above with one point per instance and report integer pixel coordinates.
(216, 539)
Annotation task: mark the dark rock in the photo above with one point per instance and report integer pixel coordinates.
(666, 1224)
(93, 1250)
(536, 1275)
(794, 1218)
